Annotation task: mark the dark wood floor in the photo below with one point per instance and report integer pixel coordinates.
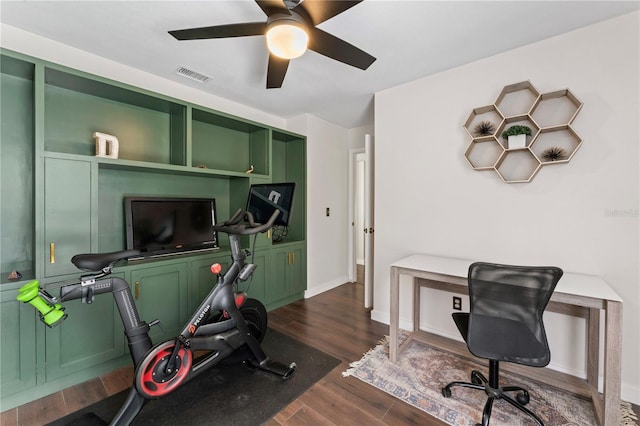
(337, 323)
(334, 322)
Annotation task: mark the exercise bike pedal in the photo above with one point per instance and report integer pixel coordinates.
(275, 367)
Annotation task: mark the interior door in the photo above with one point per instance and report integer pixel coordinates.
(368, 220)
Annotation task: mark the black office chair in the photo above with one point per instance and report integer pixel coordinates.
(505, 324)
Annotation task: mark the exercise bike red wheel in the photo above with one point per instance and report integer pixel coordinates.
(152, 381)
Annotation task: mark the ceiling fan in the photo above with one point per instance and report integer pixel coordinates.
(290, 30)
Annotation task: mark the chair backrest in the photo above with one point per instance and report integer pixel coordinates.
(507, 303)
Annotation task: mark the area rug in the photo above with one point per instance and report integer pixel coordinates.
(422, 371)
(233, 394)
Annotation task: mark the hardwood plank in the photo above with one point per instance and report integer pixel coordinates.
(357, 393)
(336, 322)
(9, 417)
(41, 411)
(404, 414)
(287, 412)
(321, 398)
(84, 394)
(118, 380)
(307, 416)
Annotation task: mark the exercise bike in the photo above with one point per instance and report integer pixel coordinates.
(226, 323)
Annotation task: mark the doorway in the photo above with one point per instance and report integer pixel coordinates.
(361, 218)
(358, 196)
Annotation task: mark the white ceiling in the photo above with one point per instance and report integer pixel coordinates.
(410, 39)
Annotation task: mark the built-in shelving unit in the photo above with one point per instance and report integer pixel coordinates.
(549, 116)
(59, 200)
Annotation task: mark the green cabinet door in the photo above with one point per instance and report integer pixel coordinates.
(67, 213)
(297, 275)
(91, 335)
(256, 285)
(287, 278)
(160, 292)
(18, 348)
(277, 287)
(203, 280)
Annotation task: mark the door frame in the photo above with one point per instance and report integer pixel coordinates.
(351, 231)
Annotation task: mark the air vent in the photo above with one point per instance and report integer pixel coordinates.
(186, 72)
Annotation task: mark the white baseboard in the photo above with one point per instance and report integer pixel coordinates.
(321, 288)
(380, 316)
(630, 393)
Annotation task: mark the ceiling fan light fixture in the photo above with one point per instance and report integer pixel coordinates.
(287, 38)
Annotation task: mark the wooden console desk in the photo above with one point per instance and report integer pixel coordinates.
(580, 295)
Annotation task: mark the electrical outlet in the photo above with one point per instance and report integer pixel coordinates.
(457, 303)
(328, 212)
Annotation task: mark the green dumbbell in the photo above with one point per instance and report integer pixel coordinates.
(50, 313)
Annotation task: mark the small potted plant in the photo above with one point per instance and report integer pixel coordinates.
(484, 128)
(554, 153)
(517, 136)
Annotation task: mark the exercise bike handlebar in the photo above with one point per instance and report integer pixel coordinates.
(242, 223)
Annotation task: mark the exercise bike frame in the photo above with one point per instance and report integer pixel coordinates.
(220, 338)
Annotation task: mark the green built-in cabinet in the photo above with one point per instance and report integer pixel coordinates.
(59, 200)
(67, 213)
(160, 292)
(18, 348)
(91, 336)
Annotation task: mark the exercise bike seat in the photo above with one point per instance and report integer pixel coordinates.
(99, 261)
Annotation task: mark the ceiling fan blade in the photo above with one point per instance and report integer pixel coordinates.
(221, 31)
(270, 7)
(338, 49)
(321, 10)
(276, 71)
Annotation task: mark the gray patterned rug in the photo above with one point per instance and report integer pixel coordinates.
(422, 371)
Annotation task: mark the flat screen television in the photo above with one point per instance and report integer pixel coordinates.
(265, 198)
(159, 226)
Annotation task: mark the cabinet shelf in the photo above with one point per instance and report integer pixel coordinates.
(148, 128)
(142, 166)
(224, 143)
(17, 166)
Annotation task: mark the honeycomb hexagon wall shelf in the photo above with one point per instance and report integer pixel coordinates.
(552, 139)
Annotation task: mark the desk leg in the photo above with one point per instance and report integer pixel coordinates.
(593, 347)
(394, 321)
(612, 362)
(416, 306)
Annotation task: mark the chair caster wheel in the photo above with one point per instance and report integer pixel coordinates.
(523, 398)
(475, 377)
(446, 392)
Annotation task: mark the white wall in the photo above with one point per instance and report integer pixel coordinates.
(582, 216)
(327, 176)
(356, 135)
